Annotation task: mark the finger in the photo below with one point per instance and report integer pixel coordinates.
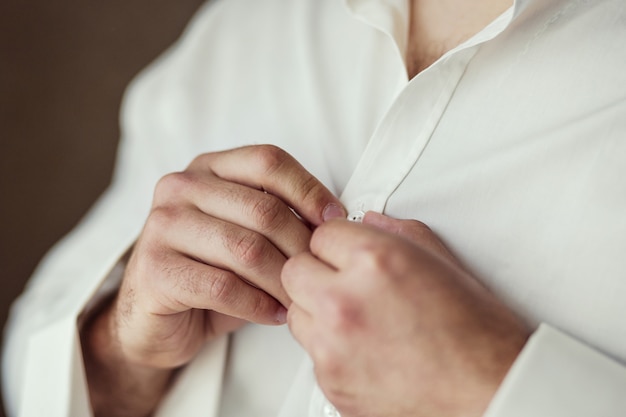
(271, 169)
(301, 326)
(339, 242)
(223, 245)
(192, 284)
(219, 324)
(326, 347)
(238, 204)
(413, 230)
(307, 281)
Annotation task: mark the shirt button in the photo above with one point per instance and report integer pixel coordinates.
(356, 216)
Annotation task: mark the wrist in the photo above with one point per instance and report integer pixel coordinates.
(117, 386)
(496, 366)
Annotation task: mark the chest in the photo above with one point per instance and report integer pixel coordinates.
(513, 158)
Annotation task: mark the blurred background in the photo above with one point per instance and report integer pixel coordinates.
(64, 65)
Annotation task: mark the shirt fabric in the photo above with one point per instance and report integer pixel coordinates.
(511, 147)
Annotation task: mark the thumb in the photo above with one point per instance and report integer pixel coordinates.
(413, 230)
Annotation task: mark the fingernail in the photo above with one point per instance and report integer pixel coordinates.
(281, 315)
(375, 218)
(333, 211)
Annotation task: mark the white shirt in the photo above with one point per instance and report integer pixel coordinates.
(512, 147)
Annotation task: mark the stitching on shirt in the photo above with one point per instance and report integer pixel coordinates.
(565, 11)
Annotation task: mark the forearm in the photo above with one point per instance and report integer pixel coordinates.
(117, 387)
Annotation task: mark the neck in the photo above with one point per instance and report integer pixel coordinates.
(438, 26)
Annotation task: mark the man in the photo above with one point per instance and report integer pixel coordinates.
(499, 125)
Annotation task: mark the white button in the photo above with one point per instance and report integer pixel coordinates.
(356, 216)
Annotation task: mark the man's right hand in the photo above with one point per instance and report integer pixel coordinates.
(208, 260)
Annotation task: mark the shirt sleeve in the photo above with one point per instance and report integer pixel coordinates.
(42, 364)
(42, 367)
(556, 375)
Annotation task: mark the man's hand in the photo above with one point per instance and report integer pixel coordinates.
(208, 260)
(394, 325)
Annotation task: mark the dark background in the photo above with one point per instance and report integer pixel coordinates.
(63, 68)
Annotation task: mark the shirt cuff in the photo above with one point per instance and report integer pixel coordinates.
(56, 385)
(558, 376)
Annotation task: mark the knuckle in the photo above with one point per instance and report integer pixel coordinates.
(172, 185)
(161, 219)
(328, 365)
(153, 277)
(166, 272)
(311, 190)
(248, 248)
(374, 258)
(270, 157)
(268, 213)
(166, 285)
(381, 265)
(259, 307)
(220, 288)
(149, 260)
(343, 314)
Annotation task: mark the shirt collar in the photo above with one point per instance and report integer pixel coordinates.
(389, 16)
(392, 18)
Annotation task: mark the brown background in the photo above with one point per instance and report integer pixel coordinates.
(63, 67)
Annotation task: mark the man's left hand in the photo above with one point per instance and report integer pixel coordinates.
(394, 324)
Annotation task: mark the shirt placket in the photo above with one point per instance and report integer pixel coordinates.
(402, 135)
(405, 130)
